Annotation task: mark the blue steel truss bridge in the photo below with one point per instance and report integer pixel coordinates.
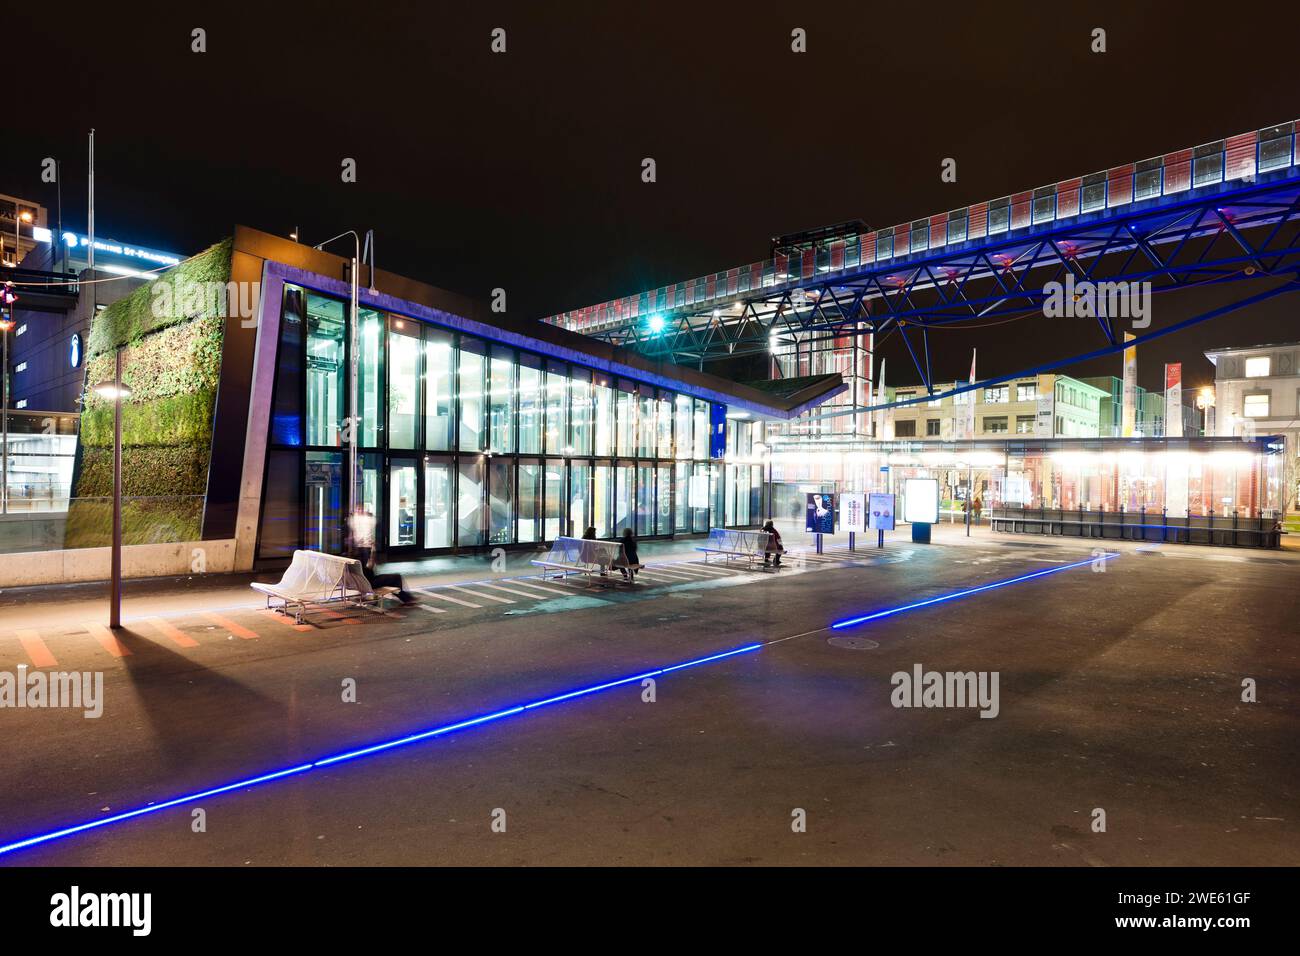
(1223, 212)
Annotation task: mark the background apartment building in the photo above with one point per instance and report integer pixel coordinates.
(1046, 406)
(1257, 392)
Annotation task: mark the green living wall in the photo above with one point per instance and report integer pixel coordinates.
(170, 333)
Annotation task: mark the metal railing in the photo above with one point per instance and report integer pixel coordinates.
(1142, 525)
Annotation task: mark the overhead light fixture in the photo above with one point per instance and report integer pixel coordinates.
(110, 390)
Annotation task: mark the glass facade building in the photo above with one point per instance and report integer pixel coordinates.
(470, 443)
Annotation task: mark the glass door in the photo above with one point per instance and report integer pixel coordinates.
(437, 503)
(403, 500)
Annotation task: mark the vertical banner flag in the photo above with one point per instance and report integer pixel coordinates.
(1129, 416)
(968, 426)
(1174, 400)
(882, 416)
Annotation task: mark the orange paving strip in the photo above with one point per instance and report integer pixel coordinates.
(36, 649)
(177, 636)
(285, 619)
(231, 626)
(336, 616)
(107, 640)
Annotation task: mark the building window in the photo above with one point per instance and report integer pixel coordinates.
(403, 385)
(325, 369)
(905, 428)
(932, 427)
(1259, 366)
(997, 396)
(995, 425)
(1024, 424)
(557, 409)
(1255, 406)
(437, 392)
(469, 381)
(370, 377)
(501, 400)
(530, 404)
(1027, 392)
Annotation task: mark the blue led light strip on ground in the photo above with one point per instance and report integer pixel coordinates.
(889, 612)
(365, 751)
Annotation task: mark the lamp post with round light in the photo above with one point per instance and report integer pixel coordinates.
(113, 390)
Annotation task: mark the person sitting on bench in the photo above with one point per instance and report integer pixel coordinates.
(363, 549)
(629, 555)
(774, 546)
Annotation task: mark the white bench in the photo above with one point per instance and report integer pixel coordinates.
(735, 545)
(583, 556)
(317, 579)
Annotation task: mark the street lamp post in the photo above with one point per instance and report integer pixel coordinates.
(6, 324)
(115, 391)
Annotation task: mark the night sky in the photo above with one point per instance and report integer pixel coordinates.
(522, 170)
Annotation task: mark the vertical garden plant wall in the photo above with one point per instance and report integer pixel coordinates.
(170, 333)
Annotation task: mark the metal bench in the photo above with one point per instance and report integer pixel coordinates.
(736, 545)
(315, 579)
(581, 556)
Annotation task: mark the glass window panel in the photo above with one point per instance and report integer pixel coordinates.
(324, 502)
(437, 391)
(286, 416)
(370, 377)
(581, 411)
(501, 499)
(281, 532)
(665, 425)
(469, 381)
(664, 509)
(437, 504)
(603, 425)
(624, 497)
(601, 491)
(645, 500)
(553, 506)
(625, 420)
(372, 465)
(557, 418)
(403, 384)
(530, 493)
(579, 497)
(501, 408)
(646, 434)
(325, 370)
(701, 429)
(682, 513)
(530, 404)
(699, 498)
(684, 446)
(402, 500)
(470, 524)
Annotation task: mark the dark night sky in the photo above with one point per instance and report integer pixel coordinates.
(523, 170)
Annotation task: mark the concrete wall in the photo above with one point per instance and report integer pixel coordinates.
(138, 561)
(31, 531)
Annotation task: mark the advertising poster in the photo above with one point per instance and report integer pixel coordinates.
(921, 500)
(819, 518)
(882, 512)
(853, 512)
